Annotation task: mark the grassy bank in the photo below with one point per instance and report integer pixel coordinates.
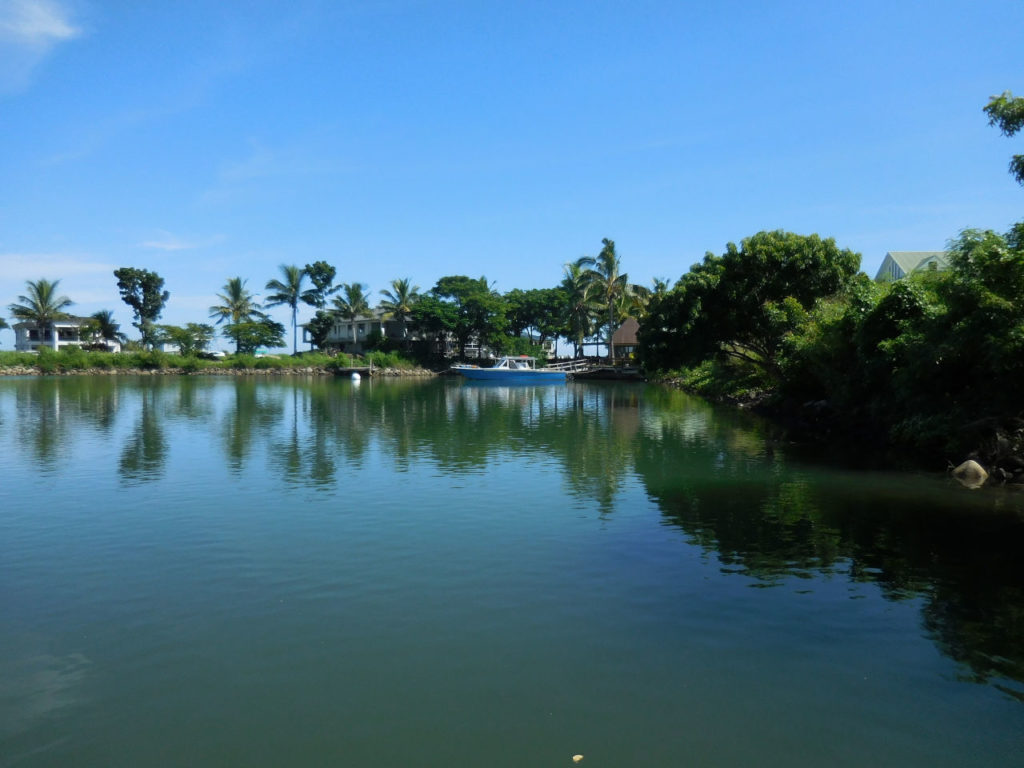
(76, 360)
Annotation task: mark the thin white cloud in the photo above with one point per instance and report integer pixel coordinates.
(29, 30)
(36, 23)
(53, 266)
(165, 241)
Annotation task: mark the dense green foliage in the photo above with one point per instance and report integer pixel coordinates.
(1007, 112)
(467, 308)
(928, 356)
(75, 359)
(142, 290)
(259, 333)
(190, 340)
(322, 275)
(741, 305)
(934, 360)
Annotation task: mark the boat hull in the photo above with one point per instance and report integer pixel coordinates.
(512, 376)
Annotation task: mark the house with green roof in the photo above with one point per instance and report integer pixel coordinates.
(897, 264)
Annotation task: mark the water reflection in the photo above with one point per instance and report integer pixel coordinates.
(47, 411)
(774, 523)
(718, 477)
(145, 449)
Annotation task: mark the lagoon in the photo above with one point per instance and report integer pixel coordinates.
(306, 571)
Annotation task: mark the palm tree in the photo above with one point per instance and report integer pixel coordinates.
(288, 291)
(104, 327)
(42, 305)
(399, 300)
(353, 302)
(603, 273)
(237, 305)
(579, 320)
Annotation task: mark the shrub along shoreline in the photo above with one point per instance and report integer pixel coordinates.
(146, 363)
(928, 366)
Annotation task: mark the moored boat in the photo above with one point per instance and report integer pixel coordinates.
(511, 369)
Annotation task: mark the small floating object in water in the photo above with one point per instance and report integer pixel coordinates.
(356, 376)
(577, 758)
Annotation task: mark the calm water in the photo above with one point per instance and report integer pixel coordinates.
(303, 572)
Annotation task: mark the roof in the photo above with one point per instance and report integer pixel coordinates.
(68, 320)
(626, 334)
(908, 261)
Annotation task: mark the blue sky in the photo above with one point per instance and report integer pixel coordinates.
(398, 138)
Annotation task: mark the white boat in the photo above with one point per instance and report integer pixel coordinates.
(511, 369)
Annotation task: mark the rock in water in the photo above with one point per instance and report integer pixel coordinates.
(577, 758)
(971, 474)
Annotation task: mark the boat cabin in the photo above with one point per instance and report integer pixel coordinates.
(521, 363)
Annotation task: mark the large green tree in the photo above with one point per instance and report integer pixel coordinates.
(742, 304)
(319, 327)
(288, 292)
(434, 317)
(42, 305)
(479, 311)
(260, 332)
(191, 339)
(322, 275)
(237, 308)
(539, 312)
(1007, 112)
(143, 291)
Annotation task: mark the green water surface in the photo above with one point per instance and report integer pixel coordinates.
(308, 572)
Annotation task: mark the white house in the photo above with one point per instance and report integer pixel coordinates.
(897, 264)
(59, 334)
(353, 336)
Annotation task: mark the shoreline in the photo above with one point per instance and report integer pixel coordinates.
(309, 371)
(997, 445)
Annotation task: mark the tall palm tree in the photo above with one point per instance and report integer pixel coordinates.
(352, 303)
(41, 305)
(605, 275)
(399, 300)
(237, 305)
(289, 292)
(581, 306)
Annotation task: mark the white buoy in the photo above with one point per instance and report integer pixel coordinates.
(356, 376)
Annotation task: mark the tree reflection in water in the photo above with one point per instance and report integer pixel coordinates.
(771, 521)
(718, 476)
